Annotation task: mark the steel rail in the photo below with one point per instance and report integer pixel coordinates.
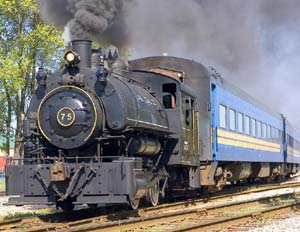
(221, 224)
(146, 222)
(247, 190)
(133, 221)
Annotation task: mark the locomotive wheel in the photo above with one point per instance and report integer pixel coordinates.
(153, 194)
(134, 204)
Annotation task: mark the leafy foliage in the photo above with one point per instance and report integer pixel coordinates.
(25, 43)
(2, 185)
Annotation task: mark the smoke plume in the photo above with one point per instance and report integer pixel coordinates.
(253, 44)
(98, 20)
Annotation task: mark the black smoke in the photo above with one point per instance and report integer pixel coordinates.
(254, 44)
(100, 20)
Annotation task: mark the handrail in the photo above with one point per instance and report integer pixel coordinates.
(10, 161)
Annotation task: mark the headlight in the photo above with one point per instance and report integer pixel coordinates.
(71, 57)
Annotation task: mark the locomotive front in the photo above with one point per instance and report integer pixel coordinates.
(68, 117)
(91, 135)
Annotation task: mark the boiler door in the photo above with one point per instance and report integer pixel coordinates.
(68, 116)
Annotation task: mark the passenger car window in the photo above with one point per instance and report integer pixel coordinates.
(290, 141)
(222, 116)
(240, 123)
(232, 119)
(268, 131)
(259, 129)
(247, 125)
(276, 133)
(264, 130)
(272, 132)
(253, 127)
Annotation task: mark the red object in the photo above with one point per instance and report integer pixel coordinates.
(2, 163)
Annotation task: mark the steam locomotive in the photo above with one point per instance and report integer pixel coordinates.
(102, 131)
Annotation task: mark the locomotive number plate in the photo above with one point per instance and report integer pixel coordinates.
(65, 116)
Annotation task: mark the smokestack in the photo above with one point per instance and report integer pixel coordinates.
(84, 49)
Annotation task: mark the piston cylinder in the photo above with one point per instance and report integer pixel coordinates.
(144, 145)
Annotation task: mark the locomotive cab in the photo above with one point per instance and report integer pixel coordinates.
(179, 102)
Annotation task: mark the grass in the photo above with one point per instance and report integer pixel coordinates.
(38, 212)
(2, 185)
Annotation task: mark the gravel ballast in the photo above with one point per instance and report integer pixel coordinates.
(291, 224)
(6, 210)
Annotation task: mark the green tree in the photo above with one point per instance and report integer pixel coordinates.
(26, 43)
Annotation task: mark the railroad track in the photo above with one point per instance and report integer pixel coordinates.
(219, 218)
(167, 216)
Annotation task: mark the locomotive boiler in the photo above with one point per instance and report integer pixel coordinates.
(101, 131)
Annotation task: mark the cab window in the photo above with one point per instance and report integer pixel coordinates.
(169, 95)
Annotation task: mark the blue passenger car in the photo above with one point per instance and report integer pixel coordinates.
(245, 131)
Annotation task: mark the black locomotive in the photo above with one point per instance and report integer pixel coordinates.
(103, 131)
(91, 135)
